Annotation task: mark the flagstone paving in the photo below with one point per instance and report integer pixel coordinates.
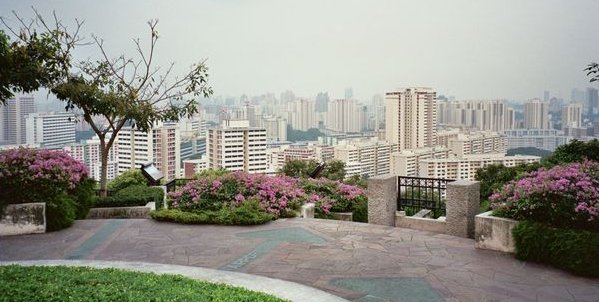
(359, 262)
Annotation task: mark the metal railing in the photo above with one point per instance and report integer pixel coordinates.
(172, 185)
(418, 193)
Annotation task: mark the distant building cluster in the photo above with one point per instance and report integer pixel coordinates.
(410, 132)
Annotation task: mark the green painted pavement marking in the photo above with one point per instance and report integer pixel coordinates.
(402, 289)
(95, 240)
(273, 239)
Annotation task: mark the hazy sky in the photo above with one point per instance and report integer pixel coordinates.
(470, 49)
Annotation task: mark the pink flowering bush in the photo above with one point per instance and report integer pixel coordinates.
(53, 177)
(564, 196)
(276, 195)
(334, 196)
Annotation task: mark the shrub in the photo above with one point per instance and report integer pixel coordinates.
(275, 194)
(333, 196)
(572, 250)
(128, 178)
(53, 177)
(566, 196)
(493, 177)
(248, 213)
(135, 195)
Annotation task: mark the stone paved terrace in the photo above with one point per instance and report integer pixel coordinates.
(359, 262)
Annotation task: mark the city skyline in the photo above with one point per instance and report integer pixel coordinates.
(507, 50)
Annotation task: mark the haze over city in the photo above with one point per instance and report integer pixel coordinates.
(468, 49)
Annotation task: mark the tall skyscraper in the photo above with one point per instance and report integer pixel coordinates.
(235, 146)
(536, 114)
(572, 115)
(301, 115)
(50, 130)
(161, 145)
(345, 115)
(411, 117)
(593, 102)
(12, 119)
(322, 102)
(349, 93)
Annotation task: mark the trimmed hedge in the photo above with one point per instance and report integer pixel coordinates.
(59, 283)
(576, 251)
(135, 195)
(247, 213)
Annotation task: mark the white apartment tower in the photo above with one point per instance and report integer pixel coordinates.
(536, 114)
(301, 114)
(50, 130)
(411, 118)
(572, 115)
(161, 146)
(235, 146)
(345, 115)
(12, 119)
(371, 156)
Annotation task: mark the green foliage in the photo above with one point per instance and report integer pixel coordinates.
(334, 170)
(529, 151)
(247, 213)
(84, 196)
(357, 180)
(128, 178)
(61, 211)
(59, 283)
(593, 71)
(211, 173)
(360, 212)
(575, 151)
(572, 250)
(135, 195)
(31, 61)
(298, 168)
(298, 135)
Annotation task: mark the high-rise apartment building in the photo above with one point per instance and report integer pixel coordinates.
(371, 156)
(161, 146)
(12, 119)
(593, 103)
(345, 115)
(572, 115)
(536, 114)
(276, 127)
(492, 115)
(301, 115)
(322, 102)
(50, 130)
(235, 146)
(411, 118)
(479, 142)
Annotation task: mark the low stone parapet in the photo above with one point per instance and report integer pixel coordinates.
(347, 216)
(25, 218)
(494, 233)
(420, 223)
(121, 212)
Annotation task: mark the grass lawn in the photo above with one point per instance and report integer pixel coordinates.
(60, 283)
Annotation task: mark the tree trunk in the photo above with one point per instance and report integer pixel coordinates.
(103, 168)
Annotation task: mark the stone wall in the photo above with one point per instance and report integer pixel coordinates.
(494, 233)
(382, 199)
(420, 223)
(26, 218)
(120, 212)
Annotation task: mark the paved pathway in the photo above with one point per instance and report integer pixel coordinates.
(359, 262)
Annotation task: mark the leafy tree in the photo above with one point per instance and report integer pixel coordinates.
(575, 151)
(36, 58)
(298, 168)
(120, 90)
(311, 134)
(593, 71)
(334, 170)
(529, 151)
(493, 177)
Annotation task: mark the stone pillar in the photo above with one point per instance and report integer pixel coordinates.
(382, 199)
(307, 210)
(462, 204)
